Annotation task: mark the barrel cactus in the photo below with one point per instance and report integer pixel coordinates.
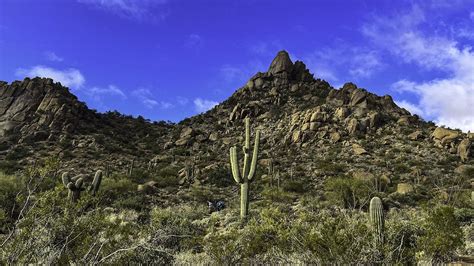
(377, 220)
(248, 171)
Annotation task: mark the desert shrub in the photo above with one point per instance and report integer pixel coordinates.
(233, 246)
(136, 202)
(116, 187)
(349, 192)
(335, 237)
(55, 231)
(330, 167)
(167, 181)
(139, 175)
(220, 177)
(10, 186)
(442, 234)
(200, 193)
(273, 194)
(296, 185)
(173, 227)
(9, 167)
(17, 153)
(402, 231)
(223, 248)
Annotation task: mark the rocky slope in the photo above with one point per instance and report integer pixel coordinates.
(309, 129)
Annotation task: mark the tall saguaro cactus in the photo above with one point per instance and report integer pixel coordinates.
(377, 220)
(248, 171)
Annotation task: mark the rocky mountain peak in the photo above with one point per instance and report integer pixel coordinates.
(38, 108)
(281, 63)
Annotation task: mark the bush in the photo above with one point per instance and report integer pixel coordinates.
(349, 192)
(443, 234)
(173, 227)
(220, 177)
(336, 237)
(402, 231)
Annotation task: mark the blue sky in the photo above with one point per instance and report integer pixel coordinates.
(169, 59)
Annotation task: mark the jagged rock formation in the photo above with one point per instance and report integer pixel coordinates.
(304, 122)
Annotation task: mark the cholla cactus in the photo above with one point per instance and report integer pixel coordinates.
(377, 220)
(248, 170)
(96, 182)
(74, 185)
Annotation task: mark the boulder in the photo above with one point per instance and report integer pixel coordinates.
(352, 126)
(415, 135)
(404, 188)
(464, 149)
(341, 113)
(358, 98)
(335, 137)
(358, 150)
(296, 136)
(404, 120)
(444, 135)
(375, 120)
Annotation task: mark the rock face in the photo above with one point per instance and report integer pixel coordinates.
(305, 123)
(281, 63)
(38, 109)
(464, 149)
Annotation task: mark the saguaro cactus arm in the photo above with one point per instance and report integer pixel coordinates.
(65, 179)
(234, 163)
(96, 182)
(246, 148)
(253, 166)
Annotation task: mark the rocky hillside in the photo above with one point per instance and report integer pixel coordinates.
(308, 129)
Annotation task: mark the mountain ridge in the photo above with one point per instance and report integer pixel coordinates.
(293, 109)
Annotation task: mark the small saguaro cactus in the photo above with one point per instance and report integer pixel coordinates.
(377, 220)
(248, 170)
(74, 185)
(96, 182)
(130, 169)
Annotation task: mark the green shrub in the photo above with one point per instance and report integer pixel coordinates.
(220, 177)
(443, 234)
(349, 192)
(173, 227)
(401, 235)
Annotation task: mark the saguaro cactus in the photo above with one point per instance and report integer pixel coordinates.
(96, 182)
(248, 170)
(377, 220)
(74, 185)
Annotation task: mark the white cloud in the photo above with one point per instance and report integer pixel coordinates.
(448, 100)
(71, 77)
(111, 90)
(413, 108)
(231, 73)
(51, 56)
(343, 60)
(148, 100)
(194, 41)
(202, 105)
(134, 9)
(364, 64)
(182, 101)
